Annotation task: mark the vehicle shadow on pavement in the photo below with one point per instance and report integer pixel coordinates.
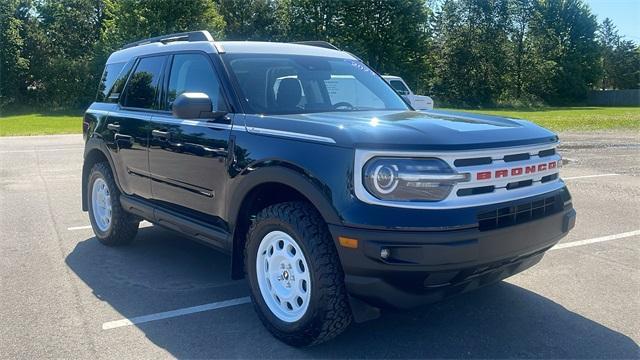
(162, 271)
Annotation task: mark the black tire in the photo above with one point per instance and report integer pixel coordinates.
(328, 313)
(124, 226)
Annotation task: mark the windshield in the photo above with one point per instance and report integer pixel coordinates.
(293, 84)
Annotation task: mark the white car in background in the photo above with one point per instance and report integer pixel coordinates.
(418, 102)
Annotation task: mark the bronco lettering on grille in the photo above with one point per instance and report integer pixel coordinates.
(516, 171)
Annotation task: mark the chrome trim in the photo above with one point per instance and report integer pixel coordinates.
(500, 194)
(171, 120)
(290, 134)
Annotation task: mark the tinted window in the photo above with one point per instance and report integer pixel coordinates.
(114, 94)
(295, 84)
(143, 84)
(109, 77)
(193, 73)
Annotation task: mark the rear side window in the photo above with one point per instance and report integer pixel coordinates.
(109, 76)
(113, 95)
(193, 73)
(142, 87)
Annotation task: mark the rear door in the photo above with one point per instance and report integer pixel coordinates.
(187, 158)
(129, 125)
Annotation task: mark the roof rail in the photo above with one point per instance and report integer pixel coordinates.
(202, 35)
(317, 43)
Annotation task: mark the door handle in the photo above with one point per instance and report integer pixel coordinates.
(160, 134)
(114, 127)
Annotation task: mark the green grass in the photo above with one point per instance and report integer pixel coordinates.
(559, 119)
(576, 118)
(41, 124)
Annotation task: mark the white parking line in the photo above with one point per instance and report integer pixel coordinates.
(245, 300)
(174, 313)
(588, 176)
(143, 224)
(596, 240)
(38, 150)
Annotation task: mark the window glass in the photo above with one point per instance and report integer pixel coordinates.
(114, 94)
(297, 84)
(399, 87)
(109, 76)
(143, 84)
(346, 89)
(193, 73)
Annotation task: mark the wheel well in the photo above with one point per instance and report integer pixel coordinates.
(93, 157)
(258, 198)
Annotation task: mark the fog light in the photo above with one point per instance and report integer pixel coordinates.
(385, 253)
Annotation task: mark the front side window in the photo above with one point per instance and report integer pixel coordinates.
(142, 87)
(193, 73)
(296, 84)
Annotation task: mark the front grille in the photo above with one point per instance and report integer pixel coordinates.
(519, 214)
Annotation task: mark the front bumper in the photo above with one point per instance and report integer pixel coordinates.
(427, 266)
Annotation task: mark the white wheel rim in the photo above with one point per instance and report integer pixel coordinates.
(101, 204)
(283, 276)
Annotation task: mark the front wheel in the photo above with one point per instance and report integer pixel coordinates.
(295, 277)
(111, 224)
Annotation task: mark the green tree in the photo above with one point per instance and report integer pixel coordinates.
(140, 19)
(13, 64)
(563, 35)
(626, 65)
(472, 40)
(248, 19)
(609, 39)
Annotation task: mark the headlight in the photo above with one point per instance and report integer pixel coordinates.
(406, 179)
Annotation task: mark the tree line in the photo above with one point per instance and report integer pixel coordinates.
(462, 52)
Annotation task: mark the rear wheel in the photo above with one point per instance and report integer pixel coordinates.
(295, 276)
(111, 224)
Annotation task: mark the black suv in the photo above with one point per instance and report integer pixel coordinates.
(330, 193)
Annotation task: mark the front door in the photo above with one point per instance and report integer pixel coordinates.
(187, 158)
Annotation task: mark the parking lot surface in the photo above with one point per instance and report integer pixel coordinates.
(64, 295)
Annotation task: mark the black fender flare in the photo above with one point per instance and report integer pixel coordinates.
(295, 178)
(284, 174)
(92, 145)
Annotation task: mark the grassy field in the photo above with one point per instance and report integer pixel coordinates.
(559, 119)
(41, 124)
(577, 118)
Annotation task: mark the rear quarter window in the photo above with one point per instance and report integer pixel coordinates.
(112, 82)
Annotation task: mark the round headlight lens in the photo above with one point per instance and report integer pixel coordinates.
(385, 178)
(406, 179)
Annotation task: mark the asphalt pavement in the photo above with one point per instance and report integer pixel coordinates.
(63, 295)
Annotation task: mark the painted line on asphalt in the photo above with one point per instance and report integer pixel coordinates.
(245, 300)
(588, 176)
(174, 313)
(38, 150)
(596, 240)
(143, 224)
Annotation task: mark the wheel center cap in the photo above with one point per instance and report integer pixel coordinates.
(285, 275)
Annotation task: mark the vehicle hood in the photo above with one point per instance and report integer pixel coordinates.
(411, 130)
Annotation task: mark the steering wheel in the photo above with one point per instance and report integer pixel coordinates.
(343, 104)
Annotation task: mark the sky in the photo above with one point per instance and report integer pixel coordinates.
(625, 14)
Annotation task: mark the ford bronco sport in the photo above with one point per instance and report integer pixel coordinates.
(333, 198)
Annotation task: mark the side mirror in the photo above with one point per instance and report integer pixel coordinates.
(193, 105)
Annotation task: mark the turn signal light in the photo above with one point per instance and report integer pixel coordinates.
(348, 242)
